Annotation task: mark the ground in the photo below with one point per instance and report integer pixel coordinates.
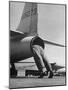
(23, 82)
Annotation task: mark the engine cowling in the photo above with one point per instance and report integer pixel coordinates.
(20, 50)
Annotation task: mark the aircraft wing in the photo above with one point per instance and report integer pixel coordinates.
(52, 43)
(32, 65)
(16, 35)
(25, 65)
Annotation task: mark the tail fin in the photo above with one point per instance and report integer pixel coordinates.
(28, 23)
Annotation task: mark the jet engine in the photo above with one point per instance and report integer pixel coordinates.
(22, 49)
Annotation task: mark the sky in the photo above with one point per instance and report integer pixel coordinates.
(51, 26)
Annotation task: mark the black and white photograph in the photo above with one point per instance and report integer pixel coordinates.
(37, 44)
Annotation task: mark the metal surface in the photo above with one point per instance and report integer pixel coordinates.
(22, 49)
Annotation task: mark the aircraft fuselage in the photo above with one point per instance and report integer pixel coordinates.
(19, 50)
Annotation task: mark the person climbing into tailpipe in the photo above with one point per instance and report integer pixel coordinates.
(40, 60)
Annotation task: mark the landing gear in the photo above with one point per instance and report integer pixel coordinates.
(13, 71)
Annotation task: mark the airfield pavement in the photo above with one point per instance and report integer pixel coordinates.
(23, 82)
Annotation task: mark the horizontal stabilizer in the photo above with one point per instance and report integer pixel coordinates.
(15, 33)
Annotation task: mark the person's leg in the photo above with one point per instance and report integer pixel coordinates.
(39, 62)
(48, 66)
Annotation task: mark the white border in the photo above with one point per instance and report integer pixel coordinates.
(4, 43)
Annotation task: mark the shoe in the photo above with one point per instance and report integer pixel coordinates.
(41, 75)
(50, 74)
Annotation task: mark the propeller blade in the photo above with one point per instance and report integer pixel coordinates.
(52, 43)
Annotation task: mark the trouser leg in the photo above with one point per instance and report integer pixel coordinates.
(48, 67)
(42, 62)
(39, 62)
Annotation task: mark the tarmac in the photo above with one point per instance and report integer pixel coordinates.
(23, 82)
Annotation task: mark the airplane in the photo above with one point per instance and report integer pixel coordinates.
(24, 65)
(31, 69)
(25, 36)
(56, 67)
(60, 72)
